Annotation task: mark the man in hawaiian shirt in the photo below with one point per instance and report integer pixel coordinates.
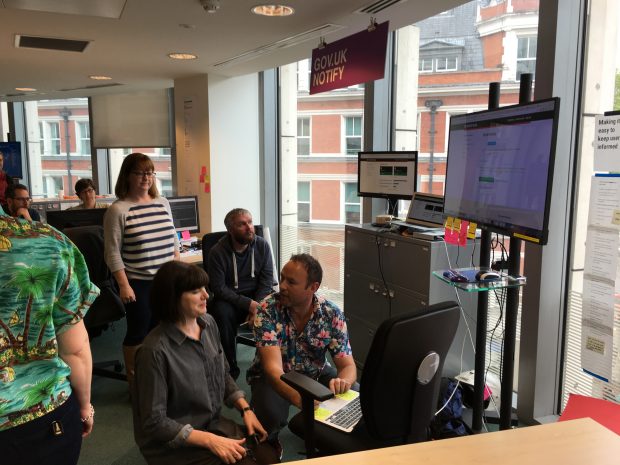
(294, 329)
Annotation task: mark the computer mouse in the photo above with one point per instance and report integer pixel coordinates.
(487, 276)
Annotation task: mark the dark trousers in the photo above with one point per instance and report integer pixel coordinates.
(34, 443)
(138, 314)
(228, 318)
(272, 409)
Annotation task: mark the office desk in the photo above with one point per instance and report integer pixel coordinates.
(576, 442)
(192, 258)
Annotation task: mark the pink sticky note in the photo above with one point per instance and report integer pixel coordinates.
(207, 188)
(185, 235)
(203, 170)
(451, 237)
(463, 233)
(202, 178)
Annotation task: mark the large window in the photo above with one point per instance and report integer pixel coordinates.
(53, 138)
(314, 204)
(353, 134)
(161, 159)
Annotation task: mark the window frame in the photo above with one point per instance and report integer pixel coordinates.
(305, 202)
(346, 136)
(303, 136)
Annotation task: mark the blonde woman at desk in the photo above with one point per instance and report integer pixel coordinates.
(139, 238)
(85, 190)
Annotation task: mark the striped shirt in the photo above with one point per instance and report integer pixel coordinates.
(139, 237)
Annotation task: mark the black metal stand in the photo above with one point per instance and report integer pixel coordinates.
(483, 303)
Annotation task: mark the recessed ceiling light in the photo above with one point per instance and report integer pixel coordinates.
(273, 10)
(100, 78)
(25, 89)
(182, 56)
(187, 26)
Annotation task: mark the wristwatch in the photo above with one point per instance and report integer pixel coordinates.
(246, 409)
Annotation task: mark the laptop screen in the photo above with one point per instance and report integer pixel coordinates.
(426, 210)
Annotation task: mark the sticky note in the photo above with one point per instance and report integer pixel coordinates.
(202, 178)
(321, 413)
(349, 395)
(203, 170)
(463, 233)
(471, 231)
(615, 219)
(185, 235)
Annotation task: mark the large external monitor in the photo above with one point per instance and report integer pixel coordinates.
(62, 219)
(390, 175)
(185, 213)
(12, 152)
(500, 168)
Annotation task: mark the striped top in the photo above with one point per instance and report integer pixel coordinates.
(139, 237)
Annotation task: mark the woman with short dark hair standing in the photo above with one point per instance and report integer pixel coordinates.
(139, 237)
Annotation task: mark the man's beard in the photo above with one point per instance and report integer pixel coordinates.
(243, 238)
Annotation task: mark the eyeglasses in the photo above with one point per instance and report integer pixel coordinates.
(22, 199)
(88, 190)
(141, 174)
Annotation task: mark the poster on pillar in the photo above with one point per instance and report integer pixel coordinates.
(353, 60)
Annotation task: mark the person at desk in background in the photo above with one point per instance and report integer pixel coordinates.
(139, 238)
(241, 273)
(294, 330)
(85, 190)
(45, 360)
(18, 203)
(182, 381)
(5, 182)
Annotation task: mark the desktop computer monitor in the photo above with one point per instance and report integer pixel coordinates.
(61, 219)
(390, 175)
(185, 213)
(12, 152)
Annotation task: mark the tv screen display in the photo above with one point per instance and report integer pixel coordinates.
(12, 152)
(500, 168)
(185, 213)
(390, 175)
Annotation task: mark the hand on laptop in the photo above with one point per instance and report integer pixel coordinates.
(339, 385)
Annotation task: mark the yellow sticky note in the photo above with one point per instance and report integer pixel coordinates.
(321, 413)
(456, 224)
(448, 223)
(349, 395)
(615, 219)
(471, 231)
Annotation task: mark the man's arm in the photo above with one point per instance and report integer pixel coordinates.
(347, 374)
(271, 361)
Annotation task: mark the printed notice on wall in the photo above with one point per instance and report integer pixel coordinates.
(607, 144)
(599, 278)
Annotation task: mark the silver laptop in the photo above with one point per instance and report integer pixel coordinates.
(425, 215)
(343, 411)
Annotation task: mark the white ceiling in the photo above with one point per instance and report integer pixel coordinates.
(131, 38)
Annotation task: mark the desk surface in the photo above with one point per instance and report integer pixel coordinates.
(576, 442)
(192, 257)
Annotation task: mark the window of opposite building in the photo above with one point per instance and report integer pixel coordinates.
(353, 134)
(303, 136)
(83, 137)
(352, 204)
(526, 55)
(303, 201)
(161, 159)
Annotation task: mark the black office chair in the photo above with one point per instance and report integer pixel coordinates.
(399, 386)
(108, 307)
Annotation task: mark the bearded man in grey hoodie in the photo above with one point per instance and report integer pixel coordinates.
(240, 271)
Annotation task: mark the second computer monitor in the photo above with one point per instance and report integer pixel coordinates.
(61, 219)
(390, 175)
(185, 213)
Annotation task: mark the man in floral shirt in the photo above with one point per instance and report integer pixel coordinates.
(294, 329)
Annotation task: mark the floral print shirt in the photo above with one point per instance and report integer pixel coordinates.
(44, 289)
(302, 351)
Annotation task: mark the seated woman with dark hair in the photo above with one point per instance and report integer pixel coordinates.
(85, 190)
(182, 380)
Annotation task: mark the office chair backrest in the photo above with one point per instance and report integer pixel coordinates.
(400, 382)
(108, 307)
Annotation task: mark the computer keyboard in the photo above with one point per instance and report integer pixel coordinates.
(347, 416)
